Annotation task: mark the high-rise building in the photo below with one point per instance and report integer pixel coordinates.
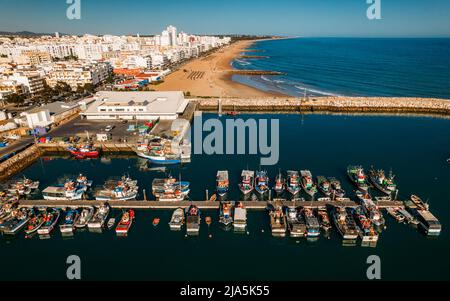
(172, 30)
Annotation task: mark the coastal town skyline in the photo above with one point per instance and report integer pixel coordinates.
(290, 18)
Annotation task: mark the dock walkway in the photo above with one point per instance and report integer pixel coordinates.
(252, 205)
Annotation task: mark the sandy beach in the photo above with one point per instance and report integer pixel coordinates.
(210, 76)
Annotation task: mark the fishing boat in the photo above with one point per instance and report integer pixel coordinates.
(159, 151)
(122, 190)
(336, 189)
(240, 217)
(83, 181)
(18, 188)
(358, 177)
(226, 213)
(247, 182)
(295, 222)
(371, 210)
(293, 182)
(69, 191)
(111, 223)
(382, 182)
(324, 219)
(261, 182)
(85, 216)
(6, 210)
(280, 185)
(23, 186)
(419, 203)
(36, 221)
(367, 231)
(307, 183)
(395, 213)
(324, 185)
(169, 186)
(68, 225)
(33, 185)
(84, 151)
(125, 222)
(193, 217)
(17, 221)
(176, 196)
(177, 219)
(51, 220)
(278, 222)
(345, 224)
(408, 217)
(99, 218)
(312, 224)
(222, 182)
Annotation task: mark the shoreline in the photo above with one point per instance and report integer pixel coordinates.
(212, 76)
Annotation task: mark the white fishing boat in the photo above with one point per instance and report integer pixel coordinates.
(70, 191)
(240, 217)
(177, 219)
(99, 218)
(122, 190)
(85, 216)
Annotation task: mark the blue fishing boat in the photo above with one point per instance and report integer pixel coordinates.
(70, 219)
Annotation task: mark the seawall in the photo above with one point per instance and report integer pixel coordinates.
(330, 104)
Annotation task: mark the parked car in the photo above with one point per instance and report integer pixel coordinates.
(109, 128)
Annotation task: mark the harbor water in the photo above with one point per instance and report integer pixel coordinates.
(416, 148)
(351, 67)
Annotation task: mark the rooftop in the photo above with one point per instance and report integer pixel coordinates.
(164, 102)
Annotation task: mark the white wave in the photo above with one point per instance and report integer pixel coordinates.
(265, 79)
(316, 91)
(241, 62)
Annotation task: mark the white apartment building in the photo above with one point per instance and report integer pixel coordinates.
(77, 74)
(32, 81)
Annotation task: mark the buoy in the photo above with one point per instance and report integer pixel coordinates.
(262, 230)
(210, 235)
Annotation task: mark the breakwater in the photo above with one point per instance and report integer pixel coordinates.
(330, 104)
(19, 162)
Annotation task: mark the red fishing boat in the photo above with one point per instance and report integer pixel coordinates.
(85, 151)
(125, 222)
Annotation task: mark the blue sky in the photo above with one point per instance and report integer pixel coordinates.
(339, 18)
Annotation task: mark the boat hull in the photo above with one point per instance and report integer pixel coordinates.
(16, 228)
(106, 199)
(159, 160)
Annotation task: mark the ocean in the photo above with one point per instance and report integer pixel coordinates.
(352, 67)
(415, 148)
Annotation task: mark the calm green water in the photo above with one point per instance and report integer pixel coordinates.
(414, 147)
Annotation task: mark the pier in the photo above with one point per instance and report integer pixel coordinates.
(250, 205)
(334, 104)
